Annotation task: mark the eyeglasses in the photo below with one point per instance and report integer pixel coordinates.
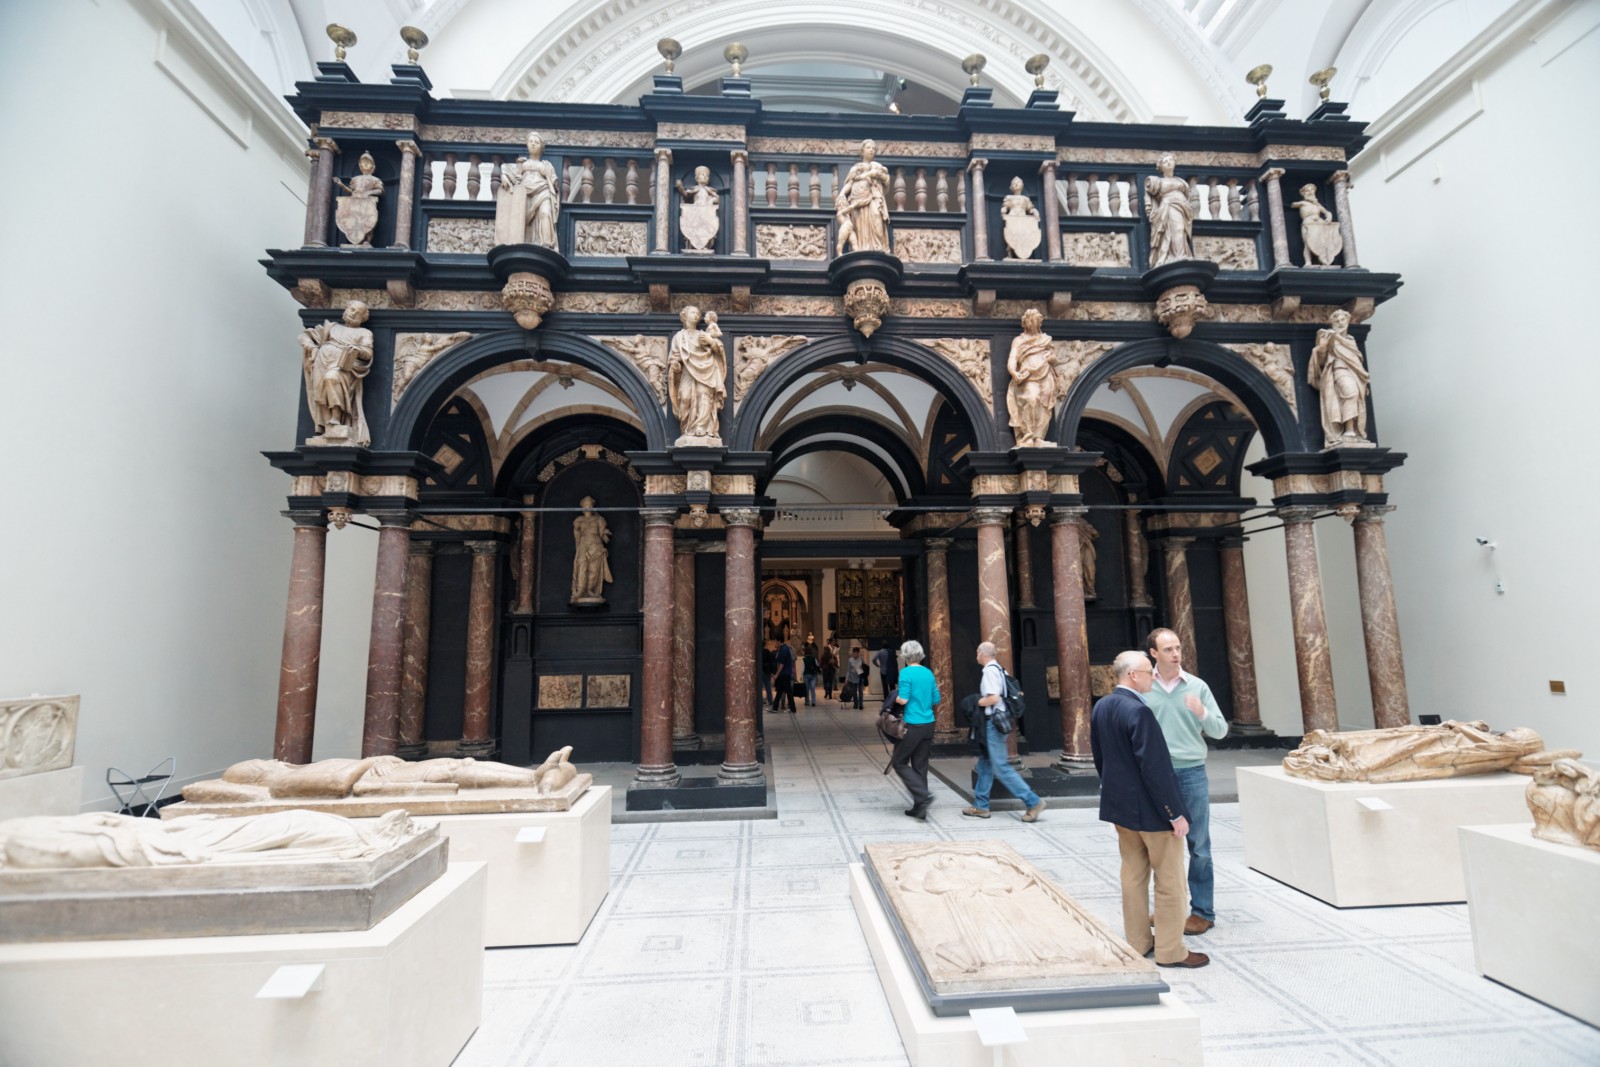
(1141, 671)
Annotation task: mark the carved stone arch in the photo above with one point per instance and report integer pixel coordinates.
(898, 352)
(1279, 428)
(439, 380)
(528, 462)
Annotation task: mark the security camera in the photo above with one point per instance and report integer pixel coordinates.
(1483, 540)
(1486, 543)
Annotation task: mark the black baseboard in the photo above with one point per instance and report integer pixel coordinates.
(697, 794)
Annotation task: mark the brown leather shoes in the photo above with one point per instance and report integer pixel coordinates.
(1194, 924)
(1032, 814)
(1193, 959)
(975, 813)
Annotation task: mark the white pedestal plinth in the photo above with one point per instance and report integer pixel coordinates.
(1356, 844)
(58, 792)
(1534, 924)
(1167, 1033)
(540, 892)
(407, 992)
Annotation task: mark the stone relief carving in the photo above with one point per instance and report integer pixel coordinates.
(604, 303)
(1319, 233)
(1166, 204)
(1180, 307)
(515, 135)
(1072, 358)
(697, 376)
(1418, 753)
(1229, 253)
(821, 146)
(1031, 394)
(335, 358)
(753, 355)
(699, 131)
(457, 300)
(866, 302)
(1021, 220)
(1340, 378)
(862, 205)
(971, 357)
(698, 216)
(649, 354)
(721, 303)
(594, 238)
(1564, 799)
(368, 120)
(1086, 157)
(356, 213)
(733, 484)
(665, 484)
(1096, 249)
(797, 305)
(591, 559)
(460, 236)
(609, 691)
(529, 199)
(561, 690)
(1013, 142)
(414, 351)
(931, 308)
(1104, 311)
(1273, 360)
(37, 734)
(928, 246)
(527, 296)
(792, 242)
(597, 453)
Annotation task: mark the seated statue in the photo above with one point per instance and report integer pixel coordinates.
(101, 839)
(1565, 801)
(1417, 753)
(387, 776)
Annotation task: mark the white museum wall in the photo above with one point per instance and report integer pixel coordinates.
(144, 563)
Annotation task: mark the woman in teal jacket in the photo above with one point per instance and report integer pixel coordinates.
(918, 695)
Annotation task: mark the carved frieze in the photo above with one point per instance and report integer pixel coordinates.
(721, 303)
(587, 452)
(753, 355)
(993, 484)
(561, 691)
(792, 242)
(927, 246)
(930, 308)
(1013, 142)
(367, 120)
(465, 523)
(609, 691)
(649, 354)
(1273, 360)
(970, 355)
(665, 484)
(1084, 156)
(796, 305)
(470, 236)
(414, 351)
(593, 237)
(604, 303)
(1072, 358)
(306, 485)
(516, 135)
(825, 146)
(733, 484)
(1107, 311)
(1229, 253)
(1096, 249)
(699, 131)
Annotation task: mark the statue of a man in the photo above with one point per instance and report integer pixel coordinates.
(1166, 202)
(356, 214)
(862, 204)
(697, 368)
(591, 559)
(335, 358)
(1340, 378)
(1031, 397)
(1021, 223)
(1319, 233)
(698, 220)
(529, 200)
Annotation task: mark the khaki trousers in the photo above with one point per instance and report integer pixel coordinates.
(1144, 853)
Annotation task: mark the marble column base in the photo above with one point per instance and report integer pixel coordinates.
(688, 743)
(657, 777)
(1250, 729)
(416, 751)
(740, 773)
(477, 749)
(1074, 764)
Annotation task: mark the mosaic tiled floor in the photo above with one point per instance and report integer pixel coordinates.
(724, 944)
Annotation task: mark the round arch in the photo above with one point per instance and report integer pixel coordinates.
(859, 437)
(1279, 428)
(439, 380)
(898, 352)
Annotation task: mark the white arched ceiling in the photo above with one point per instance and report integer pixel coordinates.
(1150, 403)
(898, 489)
(804, 486)
(901, 401)
(516, 397)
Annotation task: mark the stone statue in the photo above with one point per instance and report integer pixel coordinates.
(591, 559)
(698, 216)
(1417, 753)
(357, 214)
(101, 839)
(862, 204)
(1565, 801)
(388, 776)
(1021, 220)
(1087, 536)
(1318, 232)
(697, 369)
(413, 351)
(1166, 202)
(529, 200)
(1340, 378)
(335, 359)
(1032, 393)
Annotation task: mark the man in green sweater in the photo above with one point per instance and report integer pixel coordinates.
(1188, 714)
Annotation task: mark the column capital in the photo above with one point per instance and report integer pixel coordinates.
(740, 516)
(483, 548)
(1173, 544)
(977, 163)
(1340, 177)
(1068, 515)
(1272, 174)
(420, 547)
(739, 156)
(1373, 512)
(991, 516)
(327, 144)
(1298, 514)
(936, 544)
(393, 518)
(307, 518)
(664, 155)
(408, 147)
(1048, 166)
(659, 516)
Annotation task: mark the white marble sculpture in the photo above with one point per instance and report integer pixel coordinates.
(862, 205)
(1319, 233)
(1418, 753)
(529, 200)
(335, 358)
(1021, 221)
(356, 214)
(1166, 203)
(697, 369)
(1087, 558)
(414, 351)
(591, 559)
(1341, 380)
(37, 734)
(698, 214)
(1032, 393)
(1565, 801)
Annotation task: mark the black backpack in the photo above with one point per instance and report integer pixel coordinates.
(1012, 701)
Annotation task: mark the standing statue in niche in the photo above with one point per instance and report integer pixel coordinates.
(591, 559)
(698, 217)
(1032, 394)
(357, 214)
(862, 204)
(335, 359)
(697, 369)
(529, 200)
(1318, 232)
(1166, 202)
(1340, 378)
(1087, 553)
(1021, 220)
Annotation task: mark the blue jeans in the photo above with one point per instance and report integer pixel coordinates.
(766, 688)
(1196, 792)
(811, 689)
(991, 765)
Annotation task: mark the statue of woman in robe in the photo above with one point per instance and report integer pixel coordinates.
(591, 559)
(1166, 202)
(335, 357)
(862, 204)
(1340, 378)
(1031, 396)
(529, 200)
(697, 369)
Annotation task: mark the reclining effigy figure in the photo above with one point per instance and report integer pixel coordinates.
(1565, 801)
(377, 776)
(1418, 753)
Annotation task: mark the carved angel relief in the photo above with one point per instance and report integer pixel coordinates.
(1073, 358)
(754, 354)
(971, 357)
(649, 354)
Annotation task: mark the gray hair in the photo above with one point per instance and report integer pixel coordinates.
(912, 651)
(987, 650)
(1127, 661)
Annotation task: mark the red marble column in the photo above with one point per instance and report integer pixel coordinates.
(741, 207)
(940, 655)
(1072, 636)
(655, 686)
(475, 705)
(1275, 223)
(321, 199)
(405, 196)
(739, 765)
(1024, 550)
(978, 208)
(1380, 624)
(994, 598)
(1241, 646)
(1052, 211)
(1180, 601)
(1347, 227)
(414, 672)
(683, 648)
(302, 640)
(526, 560)
(386, 649)
(1318, 710)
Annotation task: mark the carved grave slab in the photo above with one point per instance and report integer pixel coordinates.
(37, 734)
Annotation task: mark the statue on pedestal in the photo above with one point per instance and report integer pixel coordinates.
(1032, 394)
(862, 204)
(357, 214)
(1166, 203)
(698, 218)
(697, 369)
(1340, 378)
(529, 200)
(1021, 220)
(1319, 233)
(591, 559)
(335, 358)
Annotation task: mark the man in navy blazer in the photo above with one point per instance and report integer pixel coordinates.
(1139, 795)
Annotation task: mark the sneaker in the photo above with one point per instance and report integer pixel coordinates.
(1032, 814)
(976, 813)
